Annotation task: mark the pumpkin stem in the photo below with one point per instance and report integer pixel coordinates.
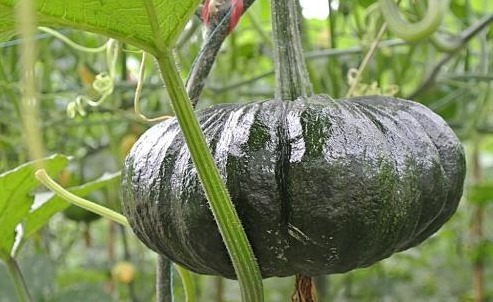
(304, 289)
(291, 74)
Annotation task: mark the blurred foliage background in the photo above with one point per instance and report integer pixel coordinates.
(78, 257)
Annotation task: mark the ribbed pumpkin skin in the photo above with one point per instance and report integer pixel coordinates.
(320, 186)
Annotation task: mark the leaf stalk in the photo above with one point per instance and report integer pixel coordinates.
(230, 228)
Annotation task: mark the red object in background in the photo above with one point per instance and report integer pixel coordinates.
(236, 12)
(210, 8)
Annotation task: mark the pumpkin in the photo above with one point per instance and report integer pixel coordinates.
(321, 186)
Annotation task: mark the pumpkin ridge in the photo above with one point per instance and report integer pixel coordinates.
(451, 157)
(423, 222)
(421, 115)
(282, 170)
(388, 167)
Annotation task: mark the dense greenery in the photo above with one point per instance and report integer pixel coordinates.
(70, 260)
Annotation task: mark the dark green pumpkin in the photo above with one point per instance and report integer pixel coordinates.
(321, 186)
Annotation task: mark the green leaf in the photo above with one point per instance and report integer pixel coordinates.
(151, 25)
(15, 198)
(53, 204)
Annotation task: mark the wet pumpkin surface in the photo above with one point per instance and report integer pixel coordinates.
(321, 186)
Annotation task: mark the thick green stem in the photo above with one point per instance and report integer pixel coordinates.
(291, 74)
(19, 283)
(29, 100)
(229, 225)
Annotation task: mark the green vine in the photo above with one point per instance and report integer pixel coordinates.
(138, 90)
(71, 43)
(46, 180)
(449, 44)
(426, 28)
(416, 31)
(103, 84)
